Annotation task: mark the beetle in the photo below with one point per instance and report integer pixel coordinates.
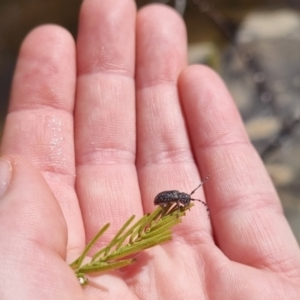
(181, 198)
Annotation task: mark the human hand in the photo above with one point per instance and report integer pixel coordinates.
(140, 122)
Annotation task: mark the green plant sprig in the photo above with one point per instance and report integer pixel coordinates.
(152, 229)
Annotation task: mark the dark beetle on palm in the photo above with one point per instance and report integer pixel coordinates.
(181, 198)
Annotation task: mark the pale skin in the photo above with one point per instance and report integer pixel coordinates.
(140, 122)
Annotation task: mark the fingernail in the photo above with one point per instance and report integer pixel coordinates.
(5, 175)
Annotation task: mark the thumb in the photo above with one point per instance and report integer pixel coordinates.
(33, 237)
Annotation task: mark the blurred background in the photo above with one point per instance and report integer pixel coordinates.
(254, 45)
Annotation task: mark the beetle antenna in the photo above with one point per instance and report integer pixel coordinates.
(201, 183)
(200, 201)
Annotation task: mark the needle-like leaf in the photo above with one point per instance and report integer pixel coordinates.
(152, 229)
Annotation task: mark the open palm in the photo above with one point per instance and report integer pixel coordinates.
(110, 123)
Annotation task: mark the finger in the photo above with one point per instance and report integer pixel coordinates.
(33, 237)
(247, 217)
(105, 115)
(39, 124)
(165, 160)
